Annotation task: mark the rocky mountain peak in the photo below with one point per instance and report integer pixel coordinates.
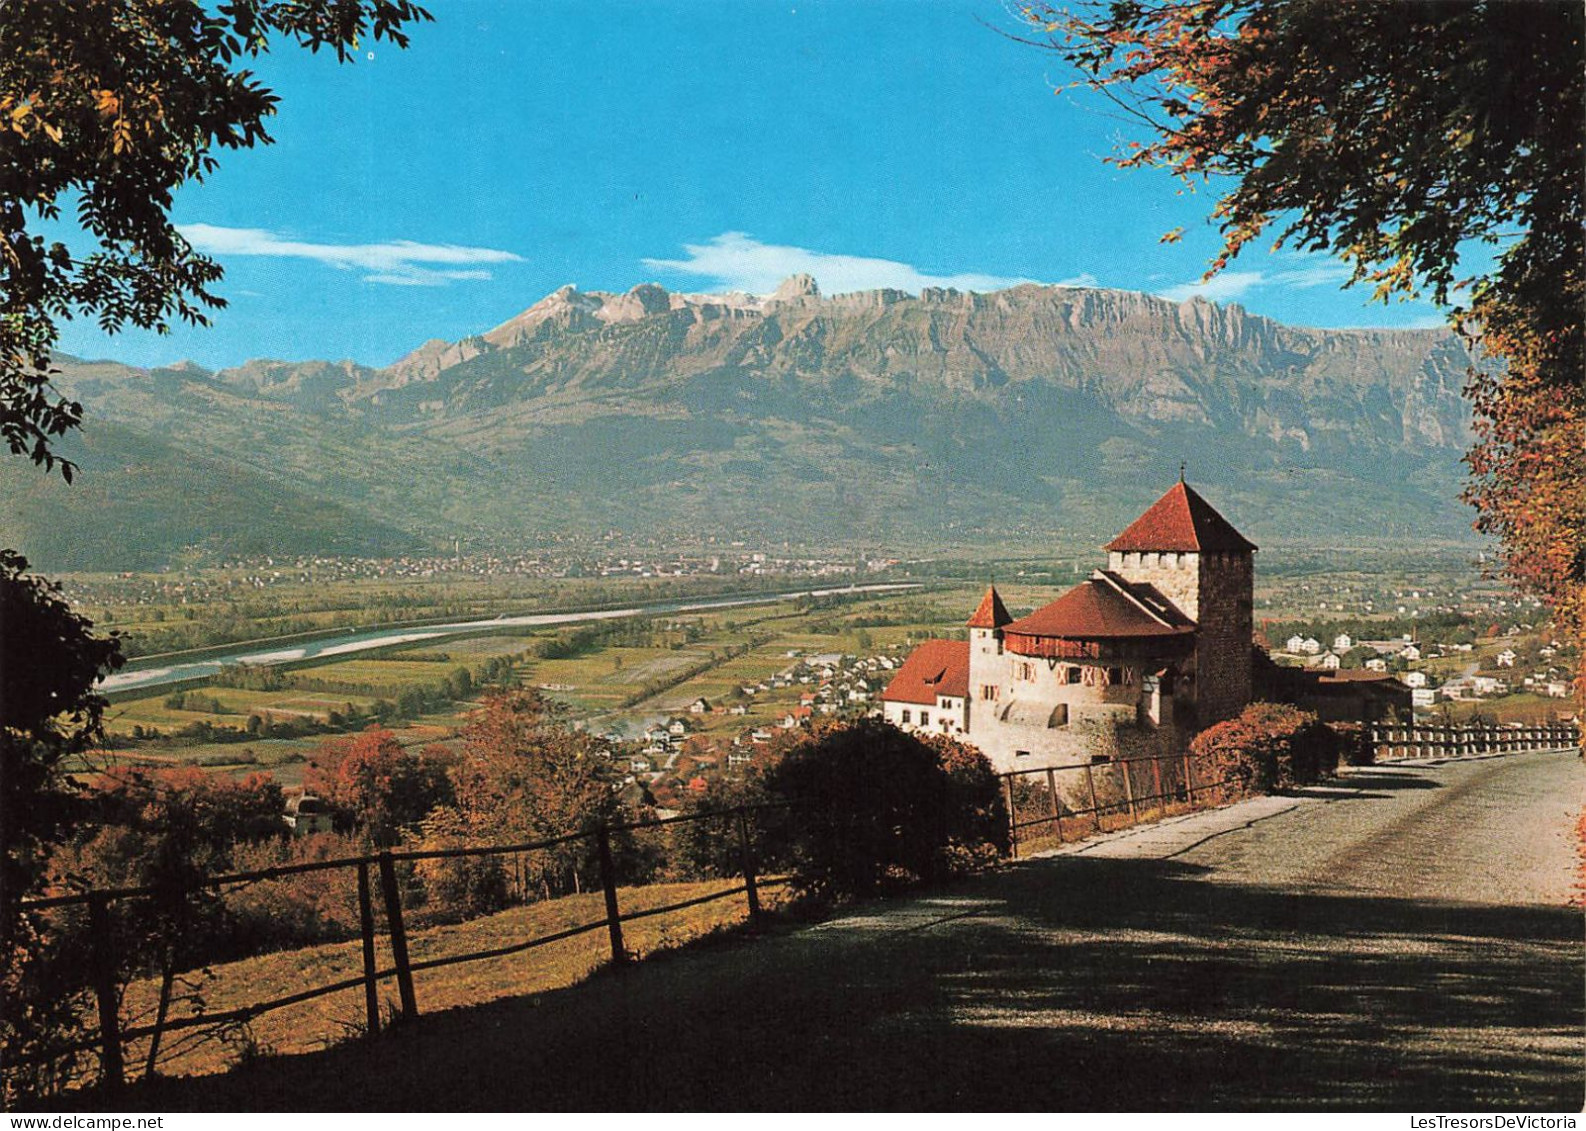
(797, 288)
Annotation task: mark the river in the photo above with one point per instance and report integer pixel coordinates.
(364, 641)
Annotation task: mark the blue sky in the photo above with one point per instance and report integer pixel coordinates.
(703, 145)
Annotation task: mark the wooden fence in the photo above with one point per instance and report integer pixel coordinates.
(380, 869)
(1393, 742)
(1116, 793)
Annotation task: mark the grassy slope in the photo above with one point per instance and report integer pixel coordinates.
(316, 1024)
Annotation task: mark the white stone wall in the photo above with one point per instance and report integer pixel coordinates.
(1014, 727)
(945, 716)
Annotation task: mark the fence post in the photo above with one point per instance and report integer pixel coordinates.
(746, 852)
(1051, 796)
(371, 988)
(112, 1073)
(1127, 766)
(399, 935)
(1189, 779)
(1013, 820)
(1156, 778)
(1095, 806)
(608, 881)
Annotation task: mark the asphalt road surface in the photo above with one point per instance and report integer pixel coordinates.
(1401, 942)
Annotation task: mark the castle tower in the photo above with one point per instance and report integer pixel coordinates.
(1193, 556)
(986, 663)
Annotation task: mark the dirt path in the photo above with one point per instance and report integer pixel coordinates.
(1394, 944)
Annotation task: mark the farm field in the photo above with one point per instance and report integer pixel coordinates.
(166, 611)
(1522, 707)
(605, 685)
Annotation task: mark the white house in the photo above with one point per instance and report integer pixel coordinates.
(1506, 658)
(307, 815)
(1423, 697)
(1342, 643)
(1414, 679)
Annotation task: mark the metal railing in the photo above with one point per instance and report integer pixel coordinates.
(111, 1037)
(1099, 790)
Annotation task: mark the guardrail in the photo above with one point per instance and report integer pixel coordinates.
(1395, 742)
(111, 1038)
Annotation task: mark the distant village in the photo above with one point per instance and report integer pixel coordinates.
(233, 577)
(671, 759)
(1535, 670)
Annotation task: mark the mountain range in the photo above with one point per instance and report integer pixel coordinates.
(1029, 417)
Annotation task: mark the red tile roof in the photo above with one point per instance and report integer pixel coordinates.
(1182, 522)
(991, 613)
(1101, 608)
(936, 667)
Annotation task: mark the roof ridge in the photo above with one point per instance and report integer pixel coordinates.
(1127, 590)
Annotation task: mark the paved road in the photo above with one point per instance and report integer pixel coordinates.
(1398, 943)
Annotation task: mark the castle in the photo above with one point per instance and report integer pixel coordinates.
(1129, 662)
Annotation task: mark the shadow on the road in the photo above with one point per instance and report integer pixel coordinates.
(1371, 779)
(1062, 984)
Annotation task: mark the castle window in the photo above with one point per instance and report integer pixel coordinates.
(925, 718)
(989, 692)
(1114, 675)
(1021, 753)
(906, 716)
(1071, 675)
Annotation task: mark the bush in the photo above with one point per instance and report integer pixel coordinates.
(297, 910)
(712, 847)
(1269, 746)
(458, 887)
(878, 809)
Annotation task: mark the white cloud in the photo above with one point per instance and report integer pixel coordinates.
(1424, 322)
(1322, 273)
(1294, 271)
(396, 262)
(1223, 287)
(735, 261)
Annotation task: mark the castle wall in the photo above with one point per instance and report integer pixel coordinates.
(1026, 714)
(1222, 645)
(1176, 576)
(1216, 590)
